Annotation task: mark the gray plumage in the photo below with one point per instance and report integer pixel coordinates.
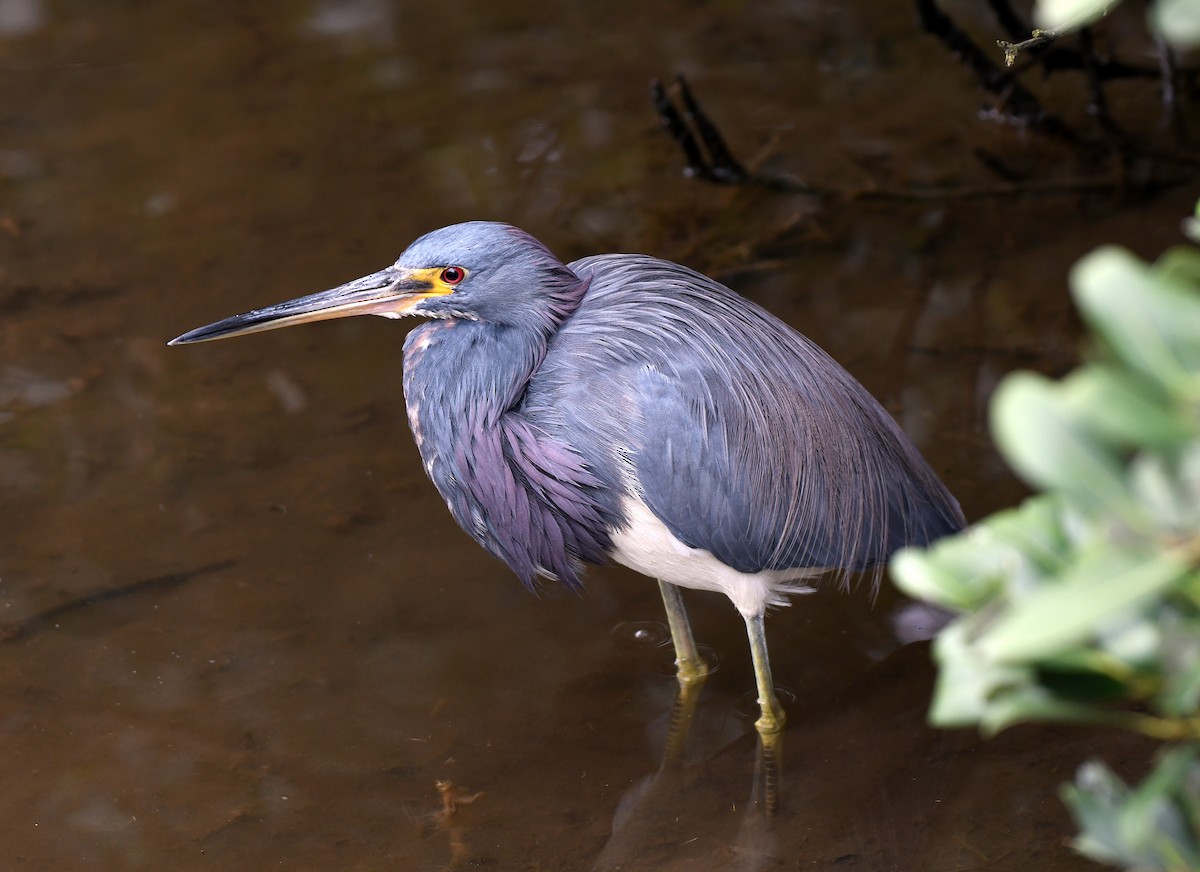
(570, 387)
(627, 408)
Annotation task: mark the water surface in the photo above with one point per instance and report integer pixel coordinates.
(315, 646)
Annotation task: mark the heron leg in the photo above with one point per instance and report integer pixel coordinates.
(771, 721)
(690, 665)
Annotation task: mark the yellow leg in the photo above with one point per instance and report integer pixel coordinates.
(772, 718)
(691, 667)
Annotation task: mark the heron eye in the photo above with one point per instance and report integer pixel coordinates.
(452, 275)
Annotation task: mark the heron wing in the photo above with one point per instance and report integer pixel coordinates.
(741, 435)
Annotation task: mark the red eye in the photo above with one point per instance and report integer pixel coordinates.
(452, 275)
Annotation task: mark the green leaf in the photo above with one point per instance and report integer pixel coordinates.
(1120, 408)
(967, 683)
(1049, 448)
(1191, 224)
(1093, 800)
(1014, 549)
(1180, 663)
(1082, 686)
(1036, 530)
(924, 575)
(1149, 827)
(1181, 264)
(1108, 581)
(1168, 501)
(1178, 21)
(1150, 320)
(961, 573)
(1066, 15)
(1032, 703)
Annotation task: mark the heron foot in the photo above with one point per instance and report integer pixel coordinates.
(771, 722)
(691, 671)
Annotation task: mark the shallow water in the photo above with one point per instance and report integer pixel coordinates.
(304, 645)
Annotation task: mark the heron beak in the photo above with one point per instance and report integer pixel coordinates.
(391, 292)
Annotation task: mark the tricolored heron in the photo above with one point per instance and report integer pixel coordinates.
(626, 408)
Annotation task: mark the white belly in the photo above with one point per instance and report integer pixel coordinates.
(647, 546)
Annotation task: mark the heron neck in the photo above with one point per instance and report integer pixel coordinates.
(501, 476)
(466, 374)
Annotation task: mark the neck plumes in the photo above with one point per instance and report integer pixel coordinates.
(526, 498)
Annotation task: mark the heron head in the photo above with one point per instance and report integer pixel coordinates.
(479, 271)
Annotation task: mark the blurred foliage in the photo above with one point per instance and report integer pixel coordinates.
(1150, 827)
(1178, 21)
(1086, 598)
(1083, 604)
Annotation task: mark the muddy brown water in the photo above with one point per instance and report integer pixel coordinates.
(305, 646)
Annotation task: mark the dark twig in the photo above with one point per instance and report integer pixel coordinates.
(722, 165)
(1097, 102)
(1063, 59)
(714, 163)
(672, 122)
(729, 171)
(1107, 69)
(1168, 74)
(1012, 50)
(995, 80)
(1008, 19)
(1022, 40)
(1016, 103)
(17, 630)
(719, 164)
